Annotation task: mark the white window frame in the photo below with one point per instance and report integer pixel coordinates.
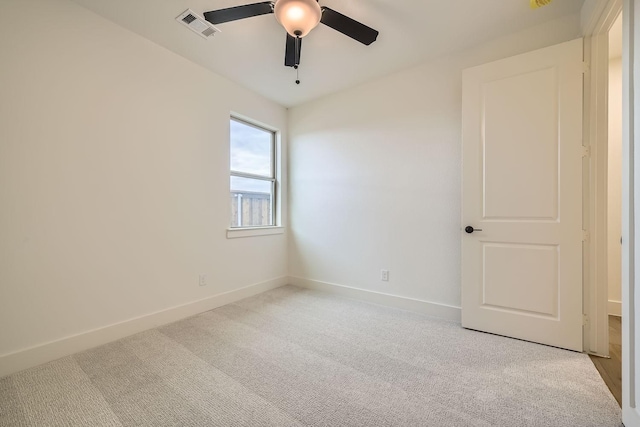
(234, 231)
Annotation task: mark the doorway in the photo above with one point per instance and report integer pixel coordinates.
(611, 368)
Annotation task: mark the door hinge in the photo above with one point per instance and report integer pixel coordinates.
(586, 151)
(585, 320)
(585, 236)
(585, 67)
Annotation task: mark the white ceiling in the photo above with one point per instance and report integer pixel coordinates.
(251, 51)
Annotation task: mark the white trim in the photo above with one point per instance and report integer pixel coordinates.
(592, 11)
(276, 168)
(615, 308)
(630, 214)
(234, 233)
(597, 18)
(434, 309)
(34, 356)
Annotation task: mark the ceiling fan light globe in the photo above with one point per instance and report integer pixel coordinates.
(298, 17)
(295, 13)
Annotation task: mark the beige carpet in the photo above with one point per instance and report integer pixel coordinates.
(299, 357)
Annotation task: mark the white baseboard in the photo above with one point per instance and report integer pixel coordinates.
(37, 355)
(434, 309)
(615, 308)
(34, 356)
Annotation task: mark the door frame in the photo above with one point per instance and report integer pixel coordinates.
(598, 18)
(630, 186)
(630, 192)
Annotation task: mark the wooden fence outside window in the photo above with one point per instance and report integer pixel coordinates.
(250, 209)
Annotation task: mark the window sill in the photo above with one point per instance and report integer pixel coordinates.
(234, 233)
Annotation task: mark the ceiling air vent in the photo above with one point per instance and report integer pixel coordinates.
(197, 24)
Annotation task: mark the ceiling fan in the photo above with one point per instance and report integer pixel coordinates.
(298, 17)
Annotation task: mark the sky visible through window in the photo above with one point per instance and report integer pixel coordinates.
(250, 153)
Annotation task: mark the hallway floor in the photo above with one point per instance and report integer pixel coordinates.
(611, 369)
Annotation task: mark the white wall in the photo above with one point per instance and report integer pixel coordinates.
(113, 177)
(614, 191)
(375, 176)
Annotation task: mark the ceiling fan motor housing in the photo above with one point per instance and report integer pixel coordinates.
(298, 17)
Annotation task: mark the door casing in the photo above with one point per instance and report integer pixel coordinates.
(595, 197)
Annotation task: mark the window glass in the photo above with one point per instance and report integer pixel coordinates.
(252, 179)
(251, 202)
(249, 185)
(251, 149)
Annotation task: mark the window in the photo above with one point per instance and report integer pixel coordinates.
(253, 175)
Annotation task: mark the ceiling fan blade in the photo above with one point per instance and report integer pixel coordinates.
(291, 54)
(238, 12)
(348, 26)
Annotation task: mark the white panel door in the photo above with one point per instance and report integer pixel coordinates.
(522, 192)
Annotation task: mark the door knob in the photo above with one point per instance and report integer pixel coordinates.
(469, 229)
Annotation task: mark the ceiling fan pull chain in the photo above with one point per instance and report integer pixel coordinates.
(297, 59)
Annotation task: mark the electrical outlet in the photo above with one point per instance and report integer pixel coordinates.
(384, 275)
(202, 280)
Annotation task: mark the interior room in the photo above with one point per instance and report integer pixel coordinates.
(340, 213)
